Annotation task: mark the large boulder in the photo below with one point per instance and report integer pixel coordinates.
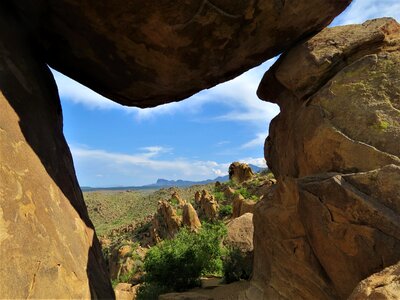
(240, 233)
(190, 218)
(384, 285)
(241, 206)
(147, 53)
(48, 247)
(240, 172)
(333, 217)
(206, 205)
(165, 223)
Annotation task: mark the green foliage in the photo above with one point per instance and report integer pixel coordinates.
(225, 210)
(236, 266)
(244, 192)
(219, 196)
(174, 201)
(254, 198)
(268, 173)
(151, 291)
(179, 263)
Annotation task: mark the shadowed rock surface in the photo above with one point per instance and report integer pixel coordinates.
(334, 216)
(145, 53)
(383, 285)
(48, 247)
(137, 53)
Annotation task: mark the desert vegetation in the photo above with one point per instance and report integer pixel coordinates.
(167, 240)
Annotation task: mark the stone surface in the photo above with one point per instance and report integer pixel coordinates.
(333, 218)
(384, 285)
(190, 218)
(165, 223)
(48, 247)
(240, 172)
(240, 233)
(125, 291)
(241, 206)
(206, 205)
(153, 53)
(127, 260)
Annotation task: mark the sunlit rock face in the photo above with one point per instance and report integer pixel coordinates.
(145, 53)
(334, 217)
(48, 248)
(141, 53)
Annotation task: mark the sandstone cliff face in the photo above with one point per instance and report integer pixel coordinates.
(148, 53)
(48, 247)
(334, 216)
(136, 53)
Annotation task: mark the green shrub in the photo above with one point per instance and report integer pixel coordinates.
(179, 263)
(151, 291)
(219, 196)
(237, 265)
(254, 198)
(244, 192)
(225, 210)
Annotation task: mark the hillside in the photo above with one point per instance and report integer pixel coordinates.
(113, 209)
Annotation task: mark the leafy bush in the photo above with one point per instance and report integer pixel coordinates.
(219, 196)
(237, 265)
(151, 291)
(254, 198)
(244, 192)
(179, 263)
(225, 210)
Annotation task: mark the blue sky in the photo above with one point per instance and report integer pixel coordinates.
(195, 139)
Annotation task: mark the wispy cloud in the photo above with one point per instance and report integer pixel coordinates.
(362, 10)
(143, 167)
(258, 141)
(237, 95)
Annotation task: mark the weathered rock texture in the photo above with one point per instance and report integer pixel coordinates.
(48, 247)
(333, 218)
(240, 172)
(384, 285)
(240, 233)
(190, 218)
(241, 206)
(206, 205)
(147, 53)
(165, 223)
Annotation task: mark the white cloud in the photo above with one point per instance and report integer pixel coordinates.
(259, 162)
(238, 96)
(362, 10)
(105, 168)
(258, 141)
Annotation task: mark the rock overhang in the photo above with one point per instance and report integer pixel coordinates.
(145, 54)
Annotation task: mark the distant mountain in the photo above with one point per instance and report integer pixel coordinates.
(163, 183)
(256, 169)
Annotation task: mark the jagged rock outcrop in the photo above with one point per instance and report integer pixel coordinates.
(206, 205)
(48, 247)
(125, 260)
(165, 223)
(240, 206)
(383, 285)
(176, 198)
(153, 53)
(190, 218)
(240, 172)
(125, 291)
(333, 218)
